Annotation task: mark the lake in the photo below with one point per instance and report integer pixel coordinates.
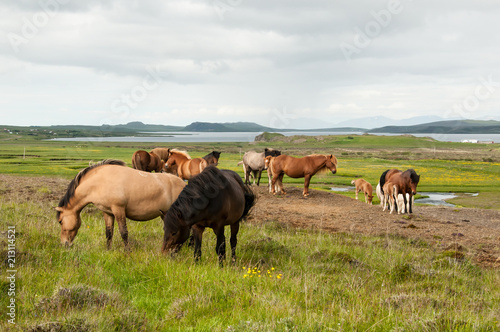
(192, 137)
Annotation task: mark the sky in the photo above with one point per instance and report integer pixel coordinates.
(299, 64)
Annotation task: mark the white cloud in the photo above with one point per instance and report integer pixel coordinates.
(258, 56)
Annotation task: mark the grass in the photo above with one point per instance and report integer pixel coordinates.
(308, 281)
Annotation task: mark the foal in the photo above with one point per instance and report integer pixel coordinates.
(366, 187)
(390, 194)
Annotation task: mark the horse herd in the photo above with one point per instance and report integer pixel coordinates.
(212, 197)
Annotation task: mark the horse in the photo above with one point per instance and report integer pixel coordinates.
(163, 153)
(366, 187)
(215, 198)
(119, 192)
(304, 167)
(406, 183)
(147, 161)
(253, 164)
(184, 166)
(212, 158)
(390, 196)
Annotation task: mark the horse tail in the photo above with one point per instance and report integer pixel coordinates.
(240, 163)
(250, 200)
(136, 161)
(382, 180)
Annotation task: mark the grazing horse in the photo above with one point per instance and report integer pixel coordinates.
(304, 167)
(365, 187)
(212, 158)
(215, 198)
(119, 192)
(253, 164)
(406, 183)
(185, 167)
(163, 153)
(147, 161)
(389, 198)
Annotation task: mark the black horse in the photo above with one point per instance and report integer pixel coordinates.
(214, 198)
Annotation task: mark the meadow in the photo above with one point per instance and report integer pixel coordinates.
(285, 279)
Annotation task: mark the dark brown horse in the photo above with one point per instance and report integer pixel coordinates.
(304, 167)
(405, 182)
(147, 161)
(215, 198)
(213, 158)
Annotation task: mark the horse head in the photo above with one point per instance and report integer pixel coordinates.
(267, 161)
(175, 232)
(70, 223)
(414, 179)
(331, 163)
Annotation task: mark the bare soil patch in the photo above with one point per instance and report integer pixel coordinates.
(471, 232)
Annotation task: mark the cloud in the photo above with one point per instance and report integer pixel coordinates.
(240, 60)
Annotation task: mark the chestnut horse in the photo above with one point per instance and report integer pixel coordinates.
(185, 167)
(119, 192)
(406, 183)
(304, 167)
(254, 163)
(365, 187)
(147, 161)
(212, 158)
(215, 198)
(390, 196)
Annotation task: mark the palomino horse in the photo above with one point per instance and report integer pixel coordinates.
(215, 198)
(118, 191)
(163, 153)
(304, 167)
(213, 158)
(147, 161)
(406, 183)
(185, 167)
(253, 164)
(365, 187)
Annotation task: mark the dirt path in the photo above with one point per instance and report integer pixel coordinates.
(473, 232)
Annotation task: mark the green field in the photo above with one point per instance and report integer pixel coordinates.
(285, 279)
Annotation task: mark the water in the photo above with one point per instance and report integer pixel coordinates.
(436, 198)
(191, 137)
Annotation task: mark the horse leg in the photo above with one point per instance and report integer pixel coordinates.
(234, 232)
(258, 179)
(410, 203)
(197, 235)
(357, 191)
(122, 225)
(307, 180)
(280, 183)
(109, 220)
(254, 175)
(220, 248)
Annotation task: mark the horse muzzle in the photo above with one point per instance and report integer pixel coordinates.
(334, 171)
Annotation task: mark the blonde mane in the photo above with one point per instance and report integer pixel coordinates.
(180, 152)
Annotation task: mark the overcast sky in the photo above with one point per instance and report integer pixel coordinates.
(277, 63)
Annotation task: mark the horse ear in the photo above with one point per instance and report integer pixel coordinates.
(59, 209)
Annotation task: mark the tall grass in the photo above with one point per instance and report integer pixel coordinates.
(285, 279)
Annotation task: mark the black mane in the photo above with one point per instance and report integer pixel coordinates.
(198, 193)
(70, 192)
(215, 154)
(413, 175)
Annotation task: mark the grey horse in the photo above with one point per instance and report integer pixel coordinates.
(253, 164)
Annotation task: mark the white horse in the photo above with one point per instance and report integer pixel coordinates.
(253, 164)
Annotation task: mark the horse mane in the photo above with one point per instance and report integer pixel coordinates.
(210, 179)
(214, 154)
(180, 152)
(70, 192)
(414, 177)
(323, 169)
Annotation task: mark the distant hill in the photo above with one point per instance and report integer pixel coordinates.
(444, 127)
(228, 126)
